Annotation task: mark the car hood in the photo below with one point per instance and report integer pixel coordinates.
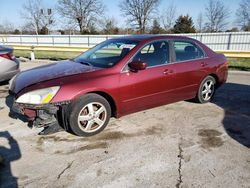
(48, 72)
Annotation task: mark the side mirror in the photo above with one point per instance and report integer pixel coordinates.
(135, 66)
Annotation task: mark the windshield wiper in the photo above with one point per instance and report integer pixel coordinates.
(86, 63)
(83, 62)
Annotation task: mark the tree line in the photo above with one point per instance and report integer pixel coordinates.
(141, 16)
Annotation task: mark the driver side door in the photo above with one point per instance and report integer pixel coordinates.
(150, 87)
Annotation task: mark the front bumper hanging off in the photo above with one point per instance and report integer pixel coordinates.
(41, 115)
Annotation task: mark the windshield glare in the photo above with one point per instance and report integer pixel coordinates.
(107, 53)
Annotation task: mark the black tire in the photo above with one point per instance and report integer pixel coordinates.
(200, 96)
(79, 106)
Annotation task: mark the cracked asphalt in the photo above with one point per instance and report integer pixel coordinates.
(178, 145)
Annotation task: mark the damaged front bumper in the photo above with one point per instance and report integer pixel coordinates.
(41, 115)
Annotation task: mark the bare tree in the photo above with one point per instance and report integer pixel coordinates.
(6, 27)
(168, 17)
(217, 14)
(109, 26)
(36, 15)
(139, 12)
(200, 22)
(243, 15)
(83, 12)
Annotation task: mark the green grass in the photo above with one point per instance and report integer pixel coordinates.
(46, 54)
(239, 63)
(234, 63)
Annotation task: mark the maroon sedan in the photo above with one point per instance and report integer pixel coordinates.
(118, 77)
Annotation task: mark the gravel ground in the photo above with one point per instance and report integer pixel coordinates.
(178, 145)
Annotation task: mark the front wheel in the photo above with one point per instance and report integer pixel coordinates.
(206, 90)
(89, 115)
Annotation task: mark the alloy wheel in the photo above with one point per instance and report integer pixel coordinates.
(92, 117)
(207, 90)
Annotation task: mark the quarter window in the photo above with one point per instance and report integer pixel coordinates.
(153, 54)
(185, 51)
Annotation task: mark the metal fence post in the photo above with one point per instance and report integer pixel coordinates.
(32, 53)
(88, 41)
(229, 41)
(37, 39)
(21, 42)
(69, 40)
(53, 40)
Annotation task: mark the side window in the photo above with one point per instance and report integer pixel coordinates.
(153, 54)
(185, 51)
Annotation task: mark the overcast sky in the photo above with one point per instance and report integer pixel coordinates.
(10, 9)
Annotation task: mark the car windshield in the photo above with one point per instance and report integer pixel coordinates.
(107, 53)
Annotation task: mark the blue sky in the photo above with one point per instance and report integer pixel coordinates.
(10, 9)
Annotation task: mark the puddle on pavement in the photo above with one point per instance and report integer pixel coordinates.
(210, 138)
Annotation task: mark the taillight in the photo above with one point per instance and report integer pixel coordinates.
(226, 63)
(7, 56)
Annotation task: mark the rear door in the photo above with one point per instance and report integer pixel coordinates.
(189, 67)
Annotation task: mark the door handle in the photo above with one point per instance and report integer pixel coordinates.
(167, 71)
(203, 64)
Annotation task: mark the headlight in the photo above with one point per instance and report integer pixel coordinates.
(41, 96)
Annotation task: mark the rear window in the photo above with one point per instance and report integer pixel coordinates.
(185, 51)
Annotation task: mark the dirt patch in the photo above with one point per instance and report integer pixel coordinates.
(96, 142)
(154, 130)
(210, 138)
(106, 135)
(23, 177)
(114, 135)
(99, 172)
(54, 139)
(209, 133)
(92, 146)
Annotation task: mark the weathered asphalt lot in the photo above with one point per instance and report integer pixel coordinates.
(182, 144)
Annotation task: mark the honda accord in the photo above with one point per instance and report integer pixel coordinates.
(117, 77)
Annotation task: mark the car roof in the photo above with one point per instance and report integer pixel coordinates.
(5, 49)
(149, 37)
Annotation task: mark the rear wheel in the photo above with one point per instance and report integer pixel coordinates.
(89, 115)
(206, 90)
